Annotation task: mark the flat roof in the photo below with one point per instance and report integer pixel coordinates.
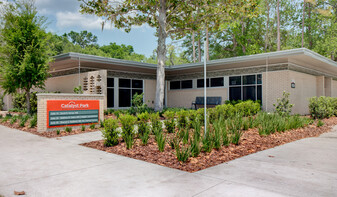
(305, 57)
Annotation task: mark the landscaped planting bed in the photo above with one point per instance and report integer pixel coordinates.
(234, 131)
(23, 122)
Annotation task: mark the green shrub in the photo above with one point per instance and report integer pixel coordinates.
(19, 101)
(143, 127)
(23, 120)
(92, 126)
(13, 120)
(155, 122)
(110, 133)
(68, 129)
(128, 125)
(58, 132)
(6, 118)
(83, 128)
(182, 119)
(322, 107)
(283, 106)
(33, 121)
(182, 153)
(169, 122)
(78, 90)
(320, 123)
(225, 111)
(248, 108)
(101, 123)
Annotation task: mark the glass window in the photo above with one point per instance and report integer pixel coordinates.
(134, 91)
(110, 82)
(217, 82)
(174, 85)
(200, 83)
(110, 97)
(249, 79)
(235, 80)
(124, 97)
(186, 84)
(235, 93)
(137, 83)
(249, 93)
(125, 83)
(259, 93)
(259, 79)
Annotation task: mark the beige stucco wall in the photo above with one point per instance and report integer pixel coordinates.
(149, 92)
(305, 89)
(184, 98)
(63, 84)
(274, 83)
(320, 86)
(42, 106)
(327, 86)
(334, 88)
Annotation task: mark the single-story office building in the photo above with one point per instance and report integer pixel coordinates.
(301, 72)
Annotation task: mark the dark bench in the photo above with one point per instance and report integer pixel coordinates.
(211, 101)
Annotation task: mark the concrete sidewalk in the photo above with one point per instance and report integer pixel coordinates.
(60, 167)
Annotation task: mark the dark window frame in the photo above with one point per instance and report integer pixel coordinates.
(131, 89)
(257, 85)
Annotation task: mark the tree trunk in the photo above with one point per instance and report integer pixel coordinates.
(28, 101)
(309, 27)
(161, 54)
(278, 26)
(199, 49)
(267, 27)
(303, 14)
(207, 45)
(193, 45)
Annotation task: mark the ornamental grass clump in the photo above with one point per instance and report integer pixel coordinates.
(13, 120)
(182, 153)
(23, 120)
(217, 131)
(320, 123)
(110, 133)
(33, 121)
(161, 141)
(83, 128)
(92, 126)
(128, 125)
(207, 142)
(68, 129)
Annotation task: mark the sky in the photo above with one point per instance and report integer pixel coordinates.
(64, 16)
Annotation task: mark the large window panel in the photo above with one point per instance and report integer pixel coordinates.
(259, 93)
(137, 83)
(110, 97)
(125, 83)
(187, 84)
(259, 79)
(249, 79)
(200, 83)
(235, 93)
(249, 93)
(235, 80)
(124, 97)
(110, 82)
(217, 82)
(134, 91)
(175, 85)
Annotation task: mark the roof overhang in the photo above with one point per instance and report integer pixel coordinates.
(302, 57)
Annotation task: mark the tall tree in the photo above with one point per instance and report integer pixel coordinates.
(24, 55)
(169, 17)
(278, 26)
(84, 38)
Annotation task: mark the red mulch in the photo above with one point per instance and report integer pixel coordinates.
(250, 142)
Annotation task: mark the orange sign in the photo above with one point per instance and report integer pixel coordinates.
(72, 112)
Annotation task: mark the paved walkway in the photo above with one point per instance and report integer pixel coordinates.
(60, 167)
